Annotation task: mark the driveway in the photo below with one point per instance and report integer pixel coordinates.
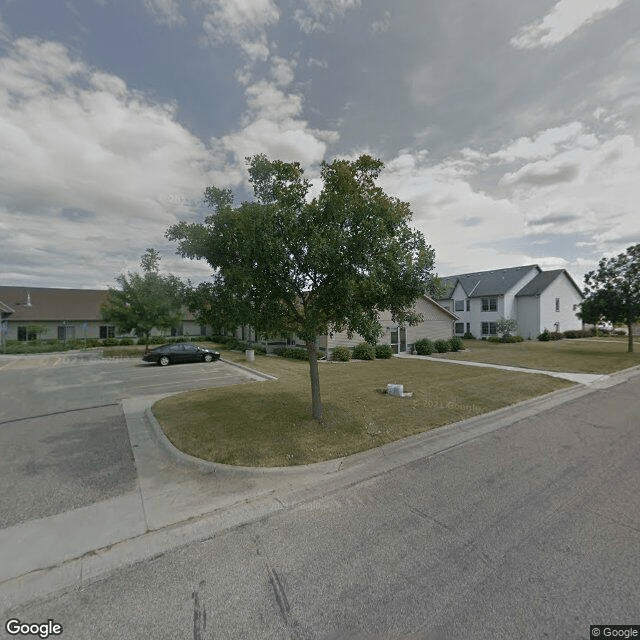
(63, 433)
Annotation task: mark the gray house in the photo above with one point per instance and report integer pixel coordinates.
(536, 299)
(63, 314)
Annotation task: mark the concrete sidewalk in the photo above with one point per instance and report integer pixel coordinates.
(580, 378)
(179, 499)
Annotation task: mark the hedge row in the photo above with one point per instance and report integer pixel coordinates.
(234, 344)
(426, 347)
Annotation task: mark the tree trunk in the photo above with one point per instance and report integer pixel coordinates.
(630, 344)
(316, 404)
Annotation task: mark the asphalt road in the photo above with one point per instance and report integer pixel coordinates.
(531, 531)
(63, 438)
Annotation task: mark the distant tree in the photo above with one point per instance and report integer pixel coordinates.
(613, 291)
(506, 326)
(145, 301)
(286, 264)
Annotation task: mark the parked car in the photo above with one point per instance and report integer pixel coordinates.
(180, 352)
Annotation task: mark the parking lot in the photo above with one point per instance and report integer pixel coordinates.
(63, 434)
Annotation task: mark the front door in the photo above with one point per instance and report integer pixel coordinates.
(399, 340)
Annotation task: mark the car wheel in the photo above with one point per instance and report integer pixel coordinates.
(164, 361)
(208, 357)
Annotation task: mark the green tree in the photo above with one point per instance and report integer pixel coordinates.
(145, 301)
(289, 264)
(612, 292)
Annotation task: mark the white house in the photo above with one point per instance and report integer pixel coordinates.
(536, 299)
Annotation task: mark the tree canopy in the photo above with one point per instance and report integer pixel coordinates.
(145, 301)
(612, 292)
(286, 263)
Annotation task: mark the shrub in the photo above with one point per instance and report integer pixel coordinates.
(110, 342)
(364, 351)
(456, 343)
(547, 335)
(343, 354)
(468, 336)
(157, 340)
(494, 339)
(442, 346)
(384, 351)
(293, 353)
(93, 342)
(125, 342)
(424, 347)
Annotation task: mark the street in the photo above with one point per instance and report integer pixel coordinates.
(528, 531)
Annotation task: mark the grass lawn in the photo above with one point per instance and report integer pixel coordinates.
(268, 424)
(593, 355)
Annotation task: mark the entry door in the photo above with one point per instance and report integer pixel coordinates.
(399, 340)
(403, 339)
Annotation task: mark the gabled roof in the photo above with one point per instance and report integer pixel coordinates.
(433, 302)
(487, 283)
(543, 280)
(4, 308)
(53, 304)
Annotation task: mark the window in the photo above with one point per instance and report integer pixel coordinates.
(26, 333)
(459, 327)
(107, 331)
(468, 304)
(203, 329)
(66, 332)
(459, 305)
(176, 331)
(489, 329)
(490, 304)
(468, 327)
(557, 304)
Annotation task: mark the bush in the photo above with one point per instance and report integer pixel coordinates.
(456, 343)
(93, 342)
(494, 339)
(343, 354)
(110, 342)
(364, 351)
(424, 347)
(468, 336)
(506, 339)
(547, 335)
(157, 340)
(294, 353)
(384, 351)
(442, 346)
(126, 342)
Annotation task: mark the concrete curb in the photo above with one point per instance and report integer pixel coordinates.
(255, 372)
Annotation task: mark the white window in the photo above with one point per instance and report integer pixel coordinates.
(490, 304)
(459, 327)
(489, 329)
(459, 305)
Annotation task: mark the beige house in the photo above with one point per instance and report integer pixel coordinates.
(64, 314)
(437, 323)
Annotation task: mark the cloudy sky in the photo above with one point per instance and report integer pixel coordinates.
(511, 126)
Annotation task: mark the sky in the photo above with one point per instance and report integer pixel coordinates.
(511, 127)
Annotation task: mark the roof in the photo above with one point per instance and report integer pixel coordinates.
(542, 281)
(432, 301)
(40, 304)
(487, 283)
(4, 308)
(53, 304)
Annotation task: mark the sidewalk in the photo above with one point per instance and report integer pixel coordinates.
(179, 499)
(581, 378)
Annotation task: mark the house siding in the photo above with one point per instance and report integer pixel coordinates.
(566, 318)
(528, 317)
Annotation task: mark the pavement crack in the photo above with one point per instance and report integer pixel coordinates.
(199, 614)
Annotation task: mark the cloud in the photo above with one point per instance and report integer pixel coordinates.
(317, 15)
(165, 11)
(81, 148)
(545, 144)
(242, 22)
(542, 174)
(564, 19)
(273, 126)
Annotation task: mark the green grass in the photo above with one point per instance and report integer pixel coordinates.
(268, 424)
(593, 355)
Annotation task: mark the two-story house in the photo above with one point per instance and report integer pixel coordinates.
(536, 299)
